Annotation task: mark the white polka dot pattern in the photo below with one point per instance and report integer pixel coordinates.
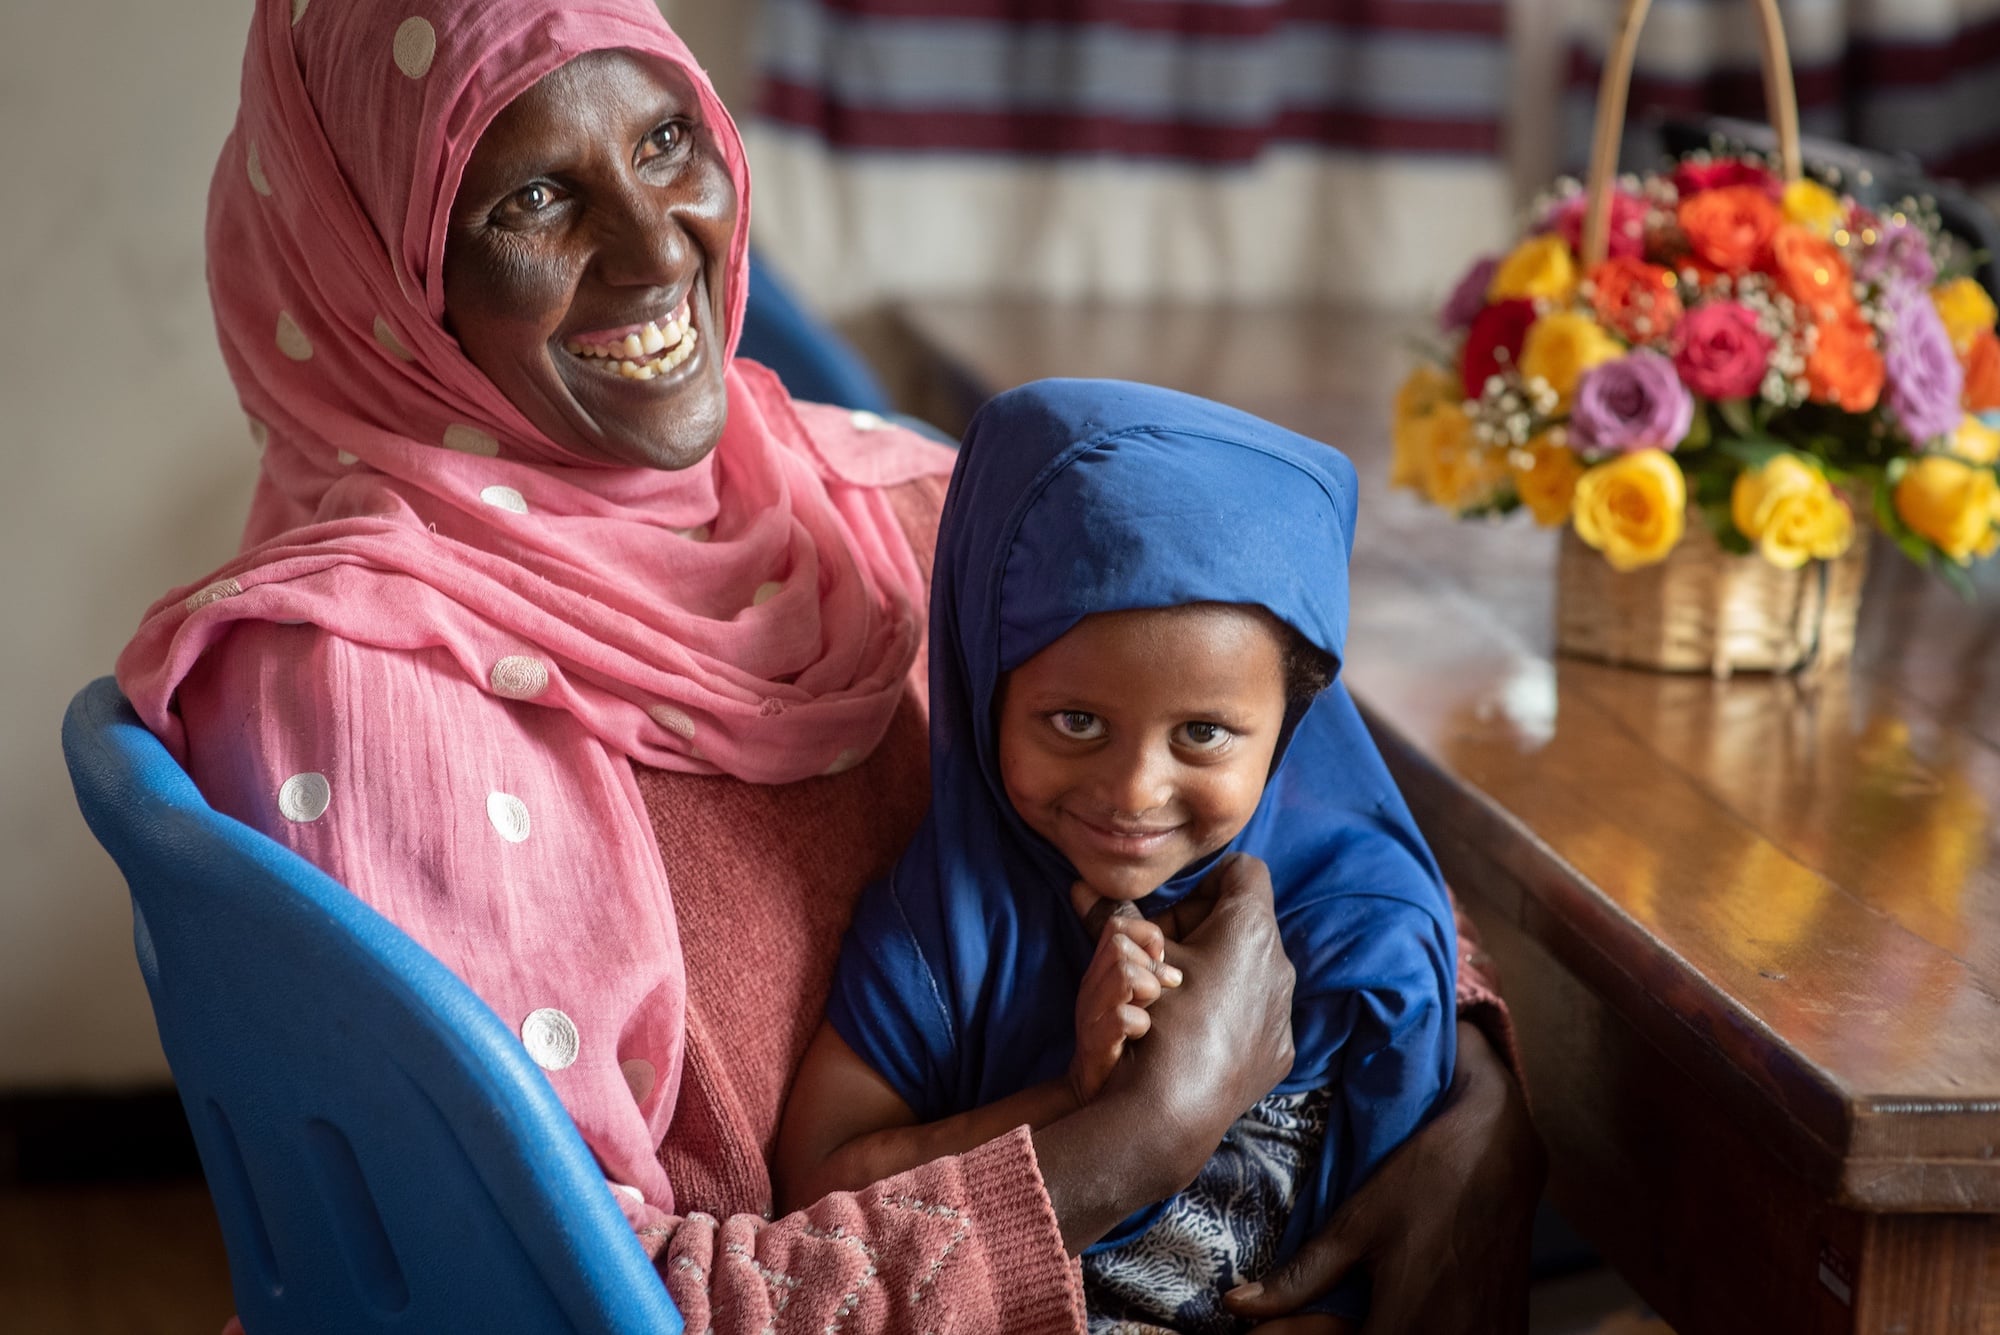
(392, 345)
(673, 720)
(505, 498)
(765, 592)
(292, 340)
(509, 815)
(470, 440)
(863, 420)
(550, 1038)
(845, 761)
(303, 798)
(255, 166)
(212, 593)
(639, 1077)
(519, 677)
(415, 47)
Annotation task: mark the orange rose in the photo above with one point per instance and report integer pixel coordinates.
(1731, 227)
(1982, 372)
(1634, 299)
(1845, 368)
(1812, 272)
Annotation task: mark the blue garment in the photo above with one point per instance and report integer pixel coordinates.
(958, 979)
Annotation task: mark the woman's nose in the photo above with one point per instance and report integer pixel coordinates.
(640, 243)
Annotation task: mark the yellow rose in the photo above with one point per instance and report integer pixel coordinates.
(1547, 484)
(1965, 309)
(1460, 471)
(1974, 441)
(1632, 508)
(1813, 206)
(1789, 510)
(1560, 347)
(1952, 503)
(1541, 266)
(1428, 388)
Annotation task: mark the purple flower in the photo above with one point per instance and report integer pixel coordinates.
(1469, 297)
(1923, 374)
(1902, 253)
(1633, 403)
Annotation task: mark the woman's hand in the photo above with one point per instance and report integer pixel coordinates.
(1219, 1042)
(1442, 1226)
(1125, 977)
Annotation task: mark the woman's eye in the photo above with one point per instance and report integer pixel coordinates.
(1203, 736)
(665, 141)
(1075, 723)
(528, 202)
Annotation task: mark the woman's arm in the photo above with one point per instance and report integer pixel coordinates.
(967, 1242)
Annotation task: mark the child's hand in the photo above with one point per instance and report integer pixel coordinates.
(1125, 976)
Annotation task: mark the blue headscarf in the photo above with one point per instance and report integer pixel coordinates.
(958, 979)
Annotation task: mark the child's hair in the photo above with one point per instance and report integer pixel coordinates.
(1309, 669)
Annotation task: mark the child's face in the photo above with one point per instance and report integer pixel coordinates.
(1140, 741)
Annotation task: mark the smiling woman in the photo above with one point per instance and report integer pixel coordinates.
(588, 258)
(572, 644)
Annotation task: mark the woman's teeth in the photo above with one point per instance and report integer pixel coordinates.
(654, 350)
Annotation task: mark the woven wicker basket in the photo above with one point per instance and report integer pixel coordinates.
(1707, 610)
(1702, 609)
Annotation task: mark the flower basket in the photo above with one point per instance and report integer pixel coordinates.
(1703, 609)
(1716, 377)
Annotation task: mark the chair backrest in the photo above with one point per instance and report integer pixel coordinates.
(812, 360)
(382, 1153)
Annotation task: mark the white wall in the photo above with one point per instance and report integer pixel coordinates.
(128, 467)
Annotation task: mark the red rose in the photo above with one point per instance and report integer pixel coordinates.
(1628, 224)
(1720, 352)
(1691, 178)
(1493, 343)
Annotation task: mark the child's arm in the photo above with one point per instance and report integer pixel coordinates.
(846, 1127)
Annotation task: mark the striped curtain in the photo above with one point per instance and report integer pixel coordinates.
(1252, 149)
(1920, 77)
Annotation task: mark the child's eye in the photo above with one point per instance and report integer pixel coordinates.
(1077, 724)
(1204, 736)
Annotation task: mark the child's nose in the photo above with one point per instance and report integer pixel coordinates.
(1138, 780)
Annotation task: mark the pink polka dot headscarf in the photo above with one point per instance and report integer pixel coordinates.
(755, 614)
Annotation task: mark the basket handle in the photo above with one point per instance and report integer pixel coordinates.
(1781, 102)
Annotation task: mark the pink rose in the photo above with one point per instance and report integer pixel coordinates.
(1719, 351)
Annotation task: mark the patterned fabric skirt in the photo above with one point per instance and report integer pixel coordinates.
(1222, 1231)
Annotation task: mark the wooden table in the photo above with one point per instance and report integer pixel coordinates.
(1749, 929)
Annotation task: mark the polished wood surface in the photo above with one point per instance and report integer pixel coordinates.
(1749, 928)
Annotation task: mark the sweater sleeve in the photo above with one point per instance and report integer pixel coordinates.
(911, 1253)
(1478, 994)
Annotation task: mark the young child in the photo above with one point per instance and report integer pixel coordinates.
(1137, 612)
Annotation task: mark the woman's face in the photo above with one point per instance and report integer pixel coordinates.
(586, 261)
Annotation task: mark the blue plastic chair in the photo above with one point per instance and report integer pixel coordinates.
(813, 361)
(382, 1153)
